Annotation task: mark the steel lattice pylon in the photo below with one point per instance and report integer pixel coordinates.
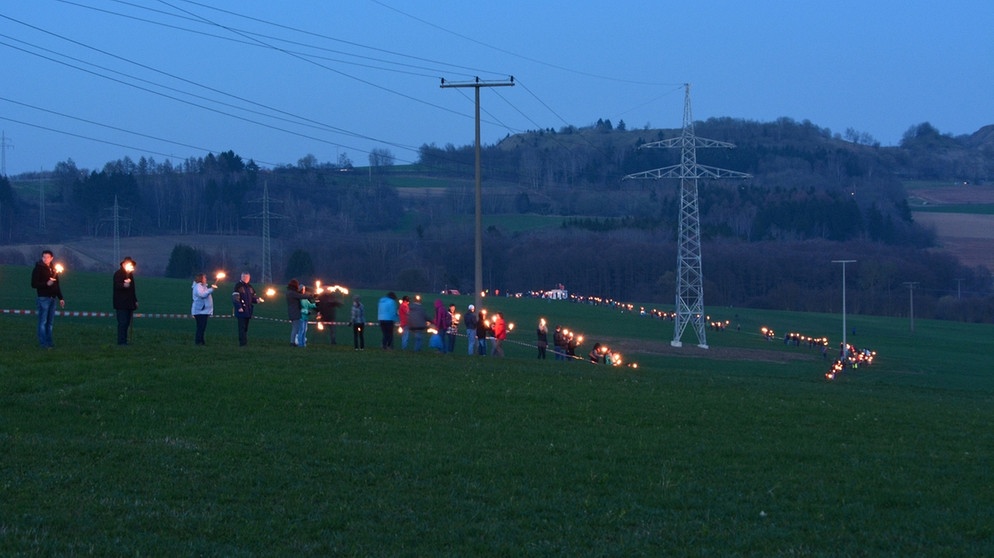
(266, 216)
(690, 278)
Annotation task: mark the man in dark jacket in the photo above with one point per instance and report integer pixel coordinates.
(45, 281)
(417, 322)
(125, 298)
(244, 300)
(328, 303)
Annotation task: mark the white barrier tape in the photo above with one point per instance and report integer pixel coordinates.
(84, 314)
(87, 314)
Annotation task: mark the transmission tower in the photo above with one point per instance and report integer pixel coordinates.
(4, 146)
(114, 217)
(267, 252)
(117, 231)
(690, 278)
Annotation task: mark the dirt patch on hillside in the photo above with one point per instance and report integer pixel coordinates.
(947, 195)
(958, 225)
(968, 237)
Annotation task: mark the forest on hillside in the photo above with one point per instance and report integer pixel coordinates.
(768, 239)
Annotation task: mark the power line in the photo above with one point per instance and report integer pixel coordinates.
(144, 66)
(268, 41)
(508, 52)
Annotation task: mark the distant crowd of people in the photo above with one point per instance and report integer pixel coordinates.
(417, 326)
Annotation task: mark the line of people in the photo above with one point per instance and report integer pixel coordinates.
(45, 280)
(485, 335)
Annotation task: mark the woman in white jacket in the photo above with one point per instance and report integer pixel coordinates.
(203, 305)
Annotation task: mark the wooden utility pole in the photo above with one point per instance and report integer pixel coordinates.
(478, 280)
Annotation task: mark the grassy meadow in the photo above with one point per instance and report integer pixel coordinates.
(162, 448)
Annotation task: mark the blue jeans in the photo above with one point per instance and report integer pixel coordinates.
(302, 334)
(471, 334)
(46, 317)
(295, 332)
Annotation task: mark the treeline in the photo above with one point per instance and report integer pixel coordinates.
(813, 196)
(640, 266)
(806, 182)
(214, 194)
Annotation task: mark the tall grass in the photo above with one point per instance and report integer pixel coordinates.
(163, 448)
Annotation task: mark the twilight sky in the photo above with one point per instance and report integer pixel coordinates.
(98, 80)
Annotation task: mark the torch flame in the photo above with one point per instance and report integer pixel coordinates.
(59, 268)
(220, 275)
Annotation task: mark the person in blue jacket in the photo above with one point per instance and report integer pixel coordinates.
(386, 313)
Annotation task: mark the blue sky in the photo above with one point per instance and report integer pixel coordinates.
(98, 80)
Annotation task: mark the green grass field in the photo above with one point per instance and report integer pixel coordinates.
(162, 448)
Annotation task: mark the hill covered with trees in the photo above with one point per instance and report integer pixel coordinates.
(559, 211)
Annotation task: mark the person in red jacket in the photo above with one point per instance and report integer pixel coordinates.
(500, 333)
(402, 312)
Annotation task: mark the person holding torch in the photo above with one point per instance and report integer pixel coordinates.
(45, 282)
(244, 299)
(203, 305)
(500, 334)
(125, 298)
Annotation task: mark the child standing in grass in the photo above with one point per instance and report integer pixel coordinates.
(358, 321)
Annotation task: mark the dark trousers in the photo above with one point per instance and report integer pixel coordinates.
(386, 326)
(243, 331)
(123, 323)
(358, 336)
(198, 337)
